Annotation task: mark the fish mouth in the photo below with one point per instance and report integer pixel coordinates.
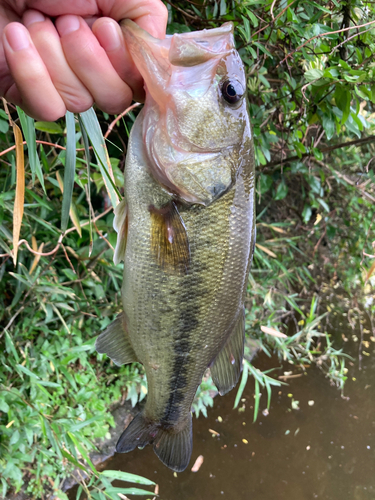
(154, 57)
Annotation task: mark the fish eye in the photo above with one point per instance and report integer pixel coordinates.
(232, 91)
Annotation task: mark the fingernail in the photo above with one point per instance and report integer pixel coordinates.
(108, 36)
(17, 37)
(33, 16)
(67, 24)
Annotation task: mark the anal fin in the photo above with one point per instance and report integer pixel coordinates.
(115, 343)
(227, 366)
(120, 224)
(172, 445)
(169, 240)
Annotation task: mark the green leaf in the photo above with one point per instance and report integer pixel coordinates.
(15, 437)
(126, 476)
(223, 7)
(128, 491)
(4, 126)
(87, 158)
(70, 168)
(306, 213)
(281, 191)
(80, 425)
(256, 400)
(318, 154)
(324, 204)
(4, 407)
(38, 199)
(82, 450)
(28, 129)
(242, 386)
(71, 459)
(49, 127)
(61, 495)
(253, 18)
(313, 74)
(94, 133)
(265, 183)
(329, 126)
(343, 98)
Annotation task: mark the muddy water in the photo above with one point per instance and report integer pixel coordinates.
(323, 450)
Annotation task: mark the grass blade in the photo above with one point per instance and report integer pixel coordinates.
(126, 476)
(70, 167)
(20, 190)
(28, 128)
(82, 451)
(94, 132)
(72, 212)
(87, 157)
(242, 386)
(256, 400)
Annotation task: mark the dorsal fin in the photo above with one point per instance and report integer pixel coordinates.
(169, 239)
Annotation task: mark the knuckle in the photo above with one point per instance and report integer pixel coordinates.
(78, 104)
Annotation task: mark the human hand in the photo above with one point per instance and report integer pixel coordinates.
(47, 68)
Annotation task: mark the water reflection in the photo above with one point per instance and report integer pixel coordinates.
(323, 450)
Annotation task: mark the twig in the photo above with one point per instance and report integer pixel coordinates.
(275, 19)
(321, 35)
(349, 38)
(328, 149)
(319, 241)
(118, 118)
(46, 254)
(271, 10)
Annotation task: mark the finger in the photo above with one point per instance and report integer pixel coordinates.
(110, 37)
(90, 63)
(47, 42)
(151, 15)
(30, 74)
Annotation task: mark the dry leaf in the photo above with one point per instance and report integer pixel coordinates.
(370, 271)
(197, 464)
(273, 332)
(318, 219)
(278, 229)
(37, 257)
(20, 190)
(266, 250)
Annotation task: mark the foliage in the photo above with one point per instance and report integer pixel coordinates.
(311, 94)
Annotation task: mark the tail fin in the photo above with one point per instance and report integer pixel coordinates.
(173, 447)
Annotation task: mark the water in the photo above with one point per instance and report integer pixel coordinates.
(323, 450)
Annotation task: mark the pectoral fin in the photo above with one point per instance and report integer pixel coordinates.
(115, 343)
(120, 224)
(227, 367)
(169, 239)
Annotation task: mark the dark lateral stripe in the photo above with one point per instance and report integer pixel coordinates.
(190, 297)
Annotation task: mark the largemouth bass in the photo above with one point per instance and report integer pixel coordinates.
(186, 232)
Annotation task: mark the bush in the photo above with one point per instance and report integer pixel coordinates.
(311, 95)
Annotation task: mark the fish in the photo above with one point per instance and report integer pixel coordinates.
(186, 232)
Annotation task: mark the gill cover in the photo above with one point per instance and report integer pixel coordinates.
(192, 135)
